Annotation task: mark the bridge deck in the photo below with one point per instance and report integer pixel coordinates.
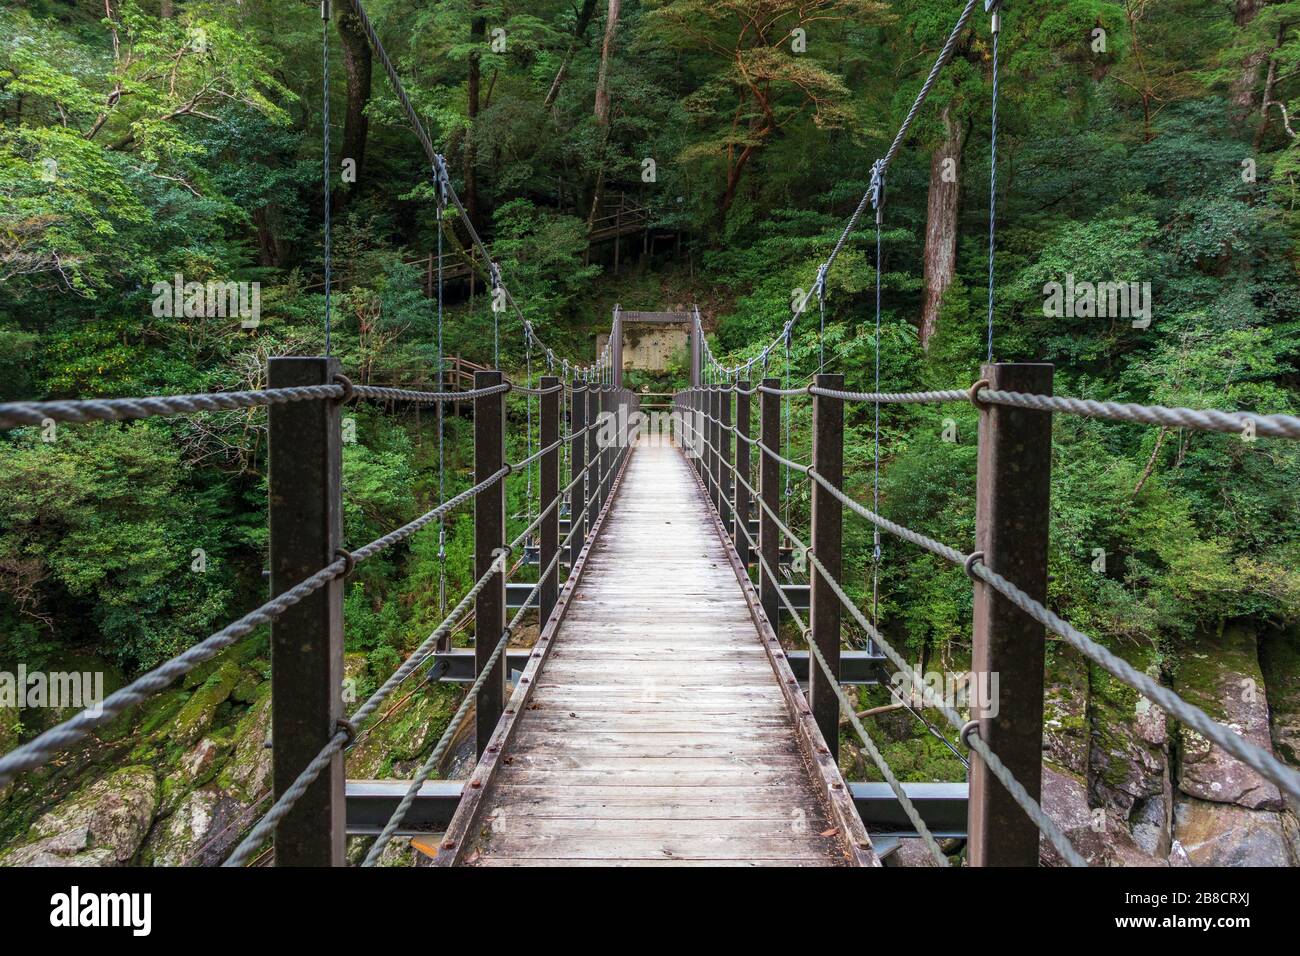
(655, 730)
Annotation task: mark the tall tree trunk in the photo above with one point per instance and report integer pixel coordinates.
(358, 65)
(602, 105)
(477, 34)
(941, 222)
(585, 17)
(1242, 90)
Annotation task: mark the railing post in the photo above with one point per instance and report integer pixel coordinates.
(489, 541)
(593, 455)
(549, 434)
(740, 527)
(1013, 492)
(307, 639)
(827, 539)
(769, 487)
(577, 458)
(726, 484)
(715, 439)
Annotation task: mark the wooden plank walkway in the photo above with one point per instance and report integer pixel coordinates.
(654, 729)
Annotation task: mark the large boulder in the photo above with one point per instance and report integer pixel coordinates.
(396, 745)
(1279, 660)
(247, 774)
(1210, 833)
(202, 832)
(1129, 755)
(1223, 678)
(1100, 835)
(102, 824)
(1065, 709)
(195, 717)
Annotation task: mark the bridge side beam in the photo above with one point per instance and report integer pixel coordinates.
(306, 528)
(827, 539)
(1013, 491)
(769, 478)
(489, 540)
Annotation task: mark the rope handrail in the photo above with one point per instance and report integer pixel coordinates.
(1255, 757)
(80, 410)
(877, 757)
(1208, 419)
(41, 748)
(266, 825)
(1031, 807)
(1201, 419)
(435, 756)
(16, 414)
(1252, 755)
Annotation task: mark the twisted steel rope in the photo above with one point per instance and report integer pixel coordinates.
(877, 757)
(1248, 753)
(406, 395)
(891, 398)
(15, 414)
(39, 750)
(426, 769)
(1211, 420)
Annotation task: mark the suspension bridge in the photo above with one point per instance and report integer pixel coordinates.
(658, 718)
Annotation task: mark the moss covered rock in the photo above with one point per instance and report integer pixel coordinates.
(1065, 709)
(202, 832)
(1211, 833)
(1223, 678)
(247, 774)
(1279, 659)
(1128, 758)
(194, 718)
(102, 824)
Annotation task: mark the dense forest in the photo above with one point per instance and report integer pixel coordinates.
(1143, 141)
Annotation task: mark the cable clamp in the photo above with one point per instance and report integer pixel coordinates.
(348, 728)
(969, 564)
(974, 391)
(349, 390)
(349, 562)
(324, 9)
(878, 184)
(968, 728)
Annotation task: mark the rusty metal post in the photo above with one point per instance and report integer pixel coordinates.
(549, 434)
(489, 541)
(616, 346)
(769, 487)
(306, 530)
(593, 455)
(827, 540)
(577, 461)
(1013, 492)
(741, 516)
(726, 484)
(715, 439)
